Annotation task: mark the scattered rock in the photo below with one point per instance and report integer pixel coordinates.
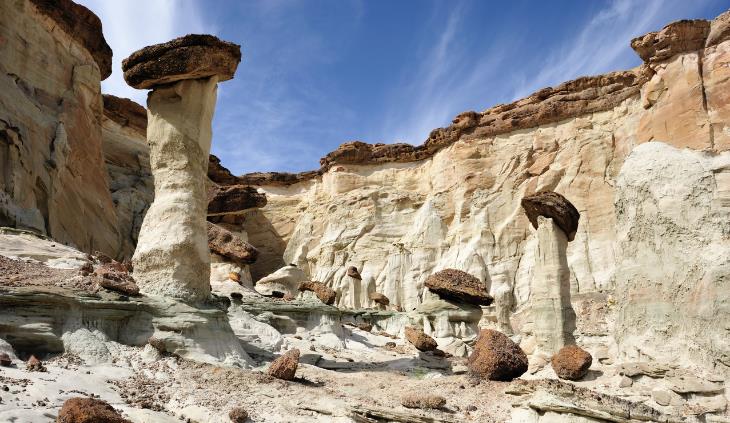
(367, 327)
(234, 276)
(661, 397)
(157, 344)
(571, 362)
(123, 286)
(193, 56)
(625, 382)
(653, 370)
(238, 415)
(554, 206)
(379, 298)
(688, 384)
(325, 294)
(496, 357)
(114, 276)
(88, 410)
(5, 360)
(353, 273)
(225, 243)
(86, 269)
(455, 285)
(285, 367)
(35, 365)
(419, 339)
(423, 401)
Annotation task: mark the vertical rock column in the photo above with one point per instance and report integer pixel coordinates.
(172, 257)
(556, 220)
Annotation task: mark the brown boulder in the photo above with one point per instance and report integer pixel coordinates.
(353, 273)
(423, 401)
(35, 365)
(458, 286)
(5, 360)
(193, 56)
(223, 242)
(115, 277)
(88, 410)
(556, 207)
(571, 362)
(285, 367)
(419, 339)
(238, 415)
(676, 38)
(82, 25)
(379, 298)
(367, 327)
(234, 199)
(496, 357)
(325, 294)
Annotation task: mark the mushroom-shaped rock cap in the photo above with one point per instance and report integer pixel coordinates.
(193, 56)
(555, 206)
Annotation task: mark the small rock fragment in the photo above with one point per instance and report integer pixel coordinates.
(238, 415)
(285, 367)
(5, 360)
(35, 365)
(423, 401)
(625, 382)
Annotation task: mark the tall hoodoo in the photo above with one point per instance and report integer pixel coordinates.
(172, 257)
(556, 220)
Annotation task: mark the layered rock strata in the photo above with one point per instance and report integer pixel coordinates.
(172, 256)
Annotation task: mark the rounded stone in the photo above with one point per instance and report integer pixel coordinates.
(571, 362)
(496, 357)
(193, 56)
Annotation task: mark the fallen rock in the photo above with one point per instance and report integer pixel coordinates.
(88, 410)
(496, 357)
(353, 273)
(419, 339)
(35, 365)
(455, 285)
(554, 206)
(238, 415)
(225, 243)
(193, 56)
(325, 294)
(285, 367)
(423, 401)
(5, 360)
(379, 298)
(571, 362)
(233, 199)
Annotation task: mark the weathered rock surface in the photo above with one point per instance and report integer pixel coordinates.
(496, 357)
(571, 362)
(554, 206)
(419, 339)
(676, 38)
(459, 286)
(322, 291)
(233, 199)
(115, 279)
(89, 410)
(223, 242)
(193, 56)
(423, 401)
(285, 367)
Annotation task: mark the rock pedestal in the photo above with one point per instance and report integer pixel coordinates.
(172, 257)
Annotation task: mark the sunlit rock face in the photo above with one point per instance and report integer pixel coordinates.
(52, 175)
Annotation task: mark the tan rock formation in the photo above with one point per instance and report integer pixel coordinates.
(172, 255)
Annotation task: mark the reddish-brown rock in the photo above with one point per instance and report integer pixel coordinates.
(233, 199)
(34, 365)
(225, 243)
(379, 298)
(459, 286)
(115, 276)
(571, 362)
(325, 294)
(353, 273)
(193, 56)
(82, 25)
(555, 206)
(5, 360)
(285, 367)
(238, 415)
(419, 339)
(88, 410)
(677, 37)
(496, 357)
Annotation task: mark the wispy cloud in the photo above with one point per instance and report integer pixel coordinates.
(129, 25)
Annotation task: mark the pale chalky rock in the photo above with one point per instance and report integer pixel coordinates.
(172, 257)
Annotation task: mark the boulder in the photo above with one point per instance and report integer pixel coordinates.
(379, 298)
(225, 243)
(496, 357)
(353, 273)
(88, 410)
(419, 339)
(238, 415)
(458, 286)
(233, 199)
(285, 367)
(325, 294)
(35, 365)
(5, 360)
(423, 401)
(194, 56)
(571, 362)
(554, 206)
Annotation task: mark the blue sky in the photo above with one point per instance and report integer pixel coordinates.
(317, 73)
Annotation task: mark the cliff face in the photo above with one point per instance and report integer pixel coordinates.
(399, 213)
(51, 170)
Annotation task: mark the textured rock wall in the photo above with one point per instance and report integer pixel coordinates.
(51, 170)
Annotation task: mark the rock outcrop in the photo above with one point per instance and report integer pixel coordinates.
(455, 285)
(172, 256)
(233, 199)
(496, 357)
(571, 362)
